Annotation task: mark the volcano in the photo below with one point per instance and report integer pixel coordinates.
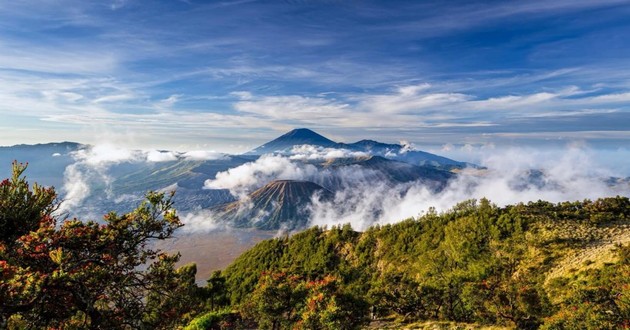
(302, 136)
(293, 138)
(280, 204)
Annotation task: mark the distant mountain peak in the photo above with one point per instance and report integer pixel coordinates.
(295, 137)
(370, 144)
(305, 134)
(301, 136)
(302, 131)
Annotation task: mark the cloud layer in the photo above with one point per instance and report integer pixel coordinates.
(92, 164)
(512, 176)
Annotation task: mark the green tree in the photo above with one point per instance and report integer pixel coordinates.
(276, 301)
(81, 274)
(173, 296)
(217, 291)
(23, 209)
(326, 307)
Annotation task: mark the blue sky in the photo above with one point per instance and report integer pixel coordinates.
(229, 75)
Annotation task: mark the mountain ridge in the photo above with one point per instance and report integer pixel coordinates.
(302, 136)
(298, 136)
(280, 204)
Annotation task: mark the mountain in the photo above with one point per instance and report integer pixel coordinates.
(186, 173)
(401, 153)
(372, 146)
(131, 181)
(46, 162)
(295, 137)
(120, 185)
(377, 169)
(398, 152)
(280, 204)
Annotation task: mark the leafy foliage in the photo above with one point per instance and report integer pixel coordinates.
(75, 274)
(476, 263)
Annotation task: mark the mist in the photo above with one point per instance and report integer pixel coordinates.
(363, 198)
(91, 170)
(512, 176)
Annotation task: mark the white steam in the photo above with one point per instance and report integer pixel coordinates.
(75, 186)
(308, 152)
(201, 221)
(364, 197)
(250, 176)
(566, 176)
(92, 164)
(247, 177)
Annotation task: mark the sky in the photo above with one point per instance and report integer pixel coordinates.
(230, 75)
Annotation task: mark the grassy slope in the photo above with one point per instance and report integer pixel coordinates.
(469, 245)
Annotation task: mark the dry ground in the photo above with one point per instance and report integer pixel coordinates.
(595, 253)
(213, 250)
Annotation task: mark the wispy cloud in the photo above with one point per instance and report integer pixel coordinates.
(291, 107)
(62, 59)
(188, 72)
(409, 99)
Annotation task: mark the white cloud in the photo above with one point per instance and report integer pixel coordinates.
(63, 59)
(156, 156)
(90, 167)
(611, 98)
(92, 164)
(105, 154)
(567, 175)
(168, 102)
(86, 103)
(203, 155)
(291, 107)
(409, 99)
(115, 98)
(247, 177)
(118, 4)
(316, 153)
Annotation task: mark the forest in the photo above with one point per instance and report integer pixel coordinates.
(537, 265)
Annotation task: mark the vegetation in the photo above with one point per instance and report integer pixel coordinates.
(524, 266)
(77, 275)
(528, 266)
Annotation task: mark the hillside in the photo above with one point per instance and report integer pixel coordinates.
(292, 138)
(281, 204)
(47, 161)
(302, 136)
(535, 265)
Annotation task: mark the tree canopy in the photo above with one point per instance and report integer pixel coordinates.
(87, 274)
